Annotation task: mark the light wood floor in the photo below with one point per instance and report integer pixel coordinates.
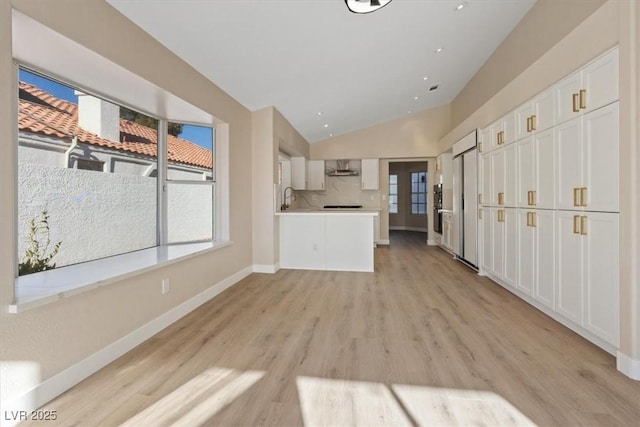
(423, 341)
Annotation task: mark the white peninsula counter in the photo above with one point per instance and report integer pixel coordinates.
(338, 240)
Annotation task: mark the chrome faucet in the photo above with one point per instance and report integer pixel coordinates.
(284, 201)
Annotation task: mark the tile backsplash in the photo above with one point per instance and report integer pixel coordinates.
(340, 190)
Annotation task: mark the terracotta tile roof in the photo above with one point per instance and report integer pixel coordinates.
(42, 113)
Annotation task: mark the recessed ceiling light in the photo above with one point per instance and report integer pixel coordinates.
(438, 50)
(415, 97)
(425, 78)
(330, 134)
(326, 125)
(319, 113)
(410, 111)
(460, 6)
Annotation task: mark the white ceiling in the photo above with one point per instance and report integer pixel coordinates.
(310, 56)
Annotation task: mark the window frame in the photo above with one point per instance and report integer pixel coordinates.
(418, 204)
(220, 195)
(396, 204)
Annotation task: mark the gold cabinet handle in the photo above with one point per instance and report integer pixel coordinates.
(480, 213)
(528, 219)
(583, 98)
(576, 196)
(529, 198)
(575, 103)
(480, 198)
(583, 225)
(533, 122)
(576, 224)
(480, 147)
(501, 198)
(533, 219)
(533, 197)
(528, 124)
(583, 196)
(501, 215)
(498, 138)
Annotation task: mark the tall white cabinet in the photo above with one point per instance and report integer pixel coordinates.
(549, 201)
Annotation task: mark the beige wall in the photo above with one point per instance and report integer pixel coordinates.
(547, 22)
(42, 342)
(415, 135)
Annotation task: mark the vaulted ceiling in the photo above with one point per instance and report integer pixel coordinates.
(330, 71)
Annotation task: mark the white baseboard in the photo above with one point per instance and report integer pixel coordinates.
(431, 242)
(61, 382)
(265, 268)
(628, 366)
(382, 242)
(405, 228)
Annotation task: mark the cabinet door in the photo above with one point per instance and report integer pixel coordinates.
(486, 223)
(601, 159)
(544, 195)
(510, 175)
(509, 128)
(569, 271)
(495, 131)
(526, 171)
(497, 178)
(543, 111)
(369, 174)
(601, 272)
(544, 226)
(470, 220)
(485, 140)
(316, 175)
(569, 164)
(299, 173)
(497, 240)
(526, 252)
(567, 97)
(510, 246)
(485, 180)
(522, 116)
(600, 81)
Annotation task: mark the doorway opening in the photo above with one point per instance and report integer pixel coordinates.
(408, 197)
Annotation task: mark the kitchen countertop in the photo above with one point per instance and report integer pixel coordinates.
(329, 211)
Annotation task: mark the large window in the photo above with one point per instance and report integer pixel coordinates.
(393, 193)
(419, 193)
(96, 179)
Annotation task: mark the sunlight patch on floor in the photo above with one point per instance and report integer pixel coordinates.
(343, 402)
(197, 400)
(328, 402)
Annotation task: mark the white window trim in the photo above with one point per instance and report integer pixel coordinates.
(36, 47)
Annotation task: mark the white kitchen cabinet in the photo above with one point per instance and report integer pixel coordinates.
(316, 175)
(536, 115)
(501, 132)
(510, 175)
(536, 171)
(587, 271)
(496, 197)
(447, 230)
(588, 89)
(299, 173)
(303, 253)
(510, 224)
(484, 143)
(486, 242)
(485, 180)
(497, 242)
(587, 161)
(536, 255)
(369, 174)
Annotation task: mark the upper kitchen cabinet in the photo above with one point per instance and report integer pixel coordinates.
(316, 175)
(536, 115)
(369, 172)
(589, 88)
(299, 173)
(499, 133)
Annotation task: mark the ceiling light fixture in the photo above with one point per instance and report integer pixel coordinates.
(330, 134)
(319, 113)
(365, 6)
(326, 125)
(425, 78)
(460, 6)
(415, 97)
(438, 50)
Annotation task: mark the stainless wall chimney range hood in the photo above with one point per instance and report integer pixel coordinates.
(342, 169)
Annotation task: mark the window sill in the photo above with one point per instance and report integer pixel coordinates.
(43, 288)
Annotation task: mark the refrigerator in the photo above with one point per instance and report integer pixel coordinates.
(465, 200)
